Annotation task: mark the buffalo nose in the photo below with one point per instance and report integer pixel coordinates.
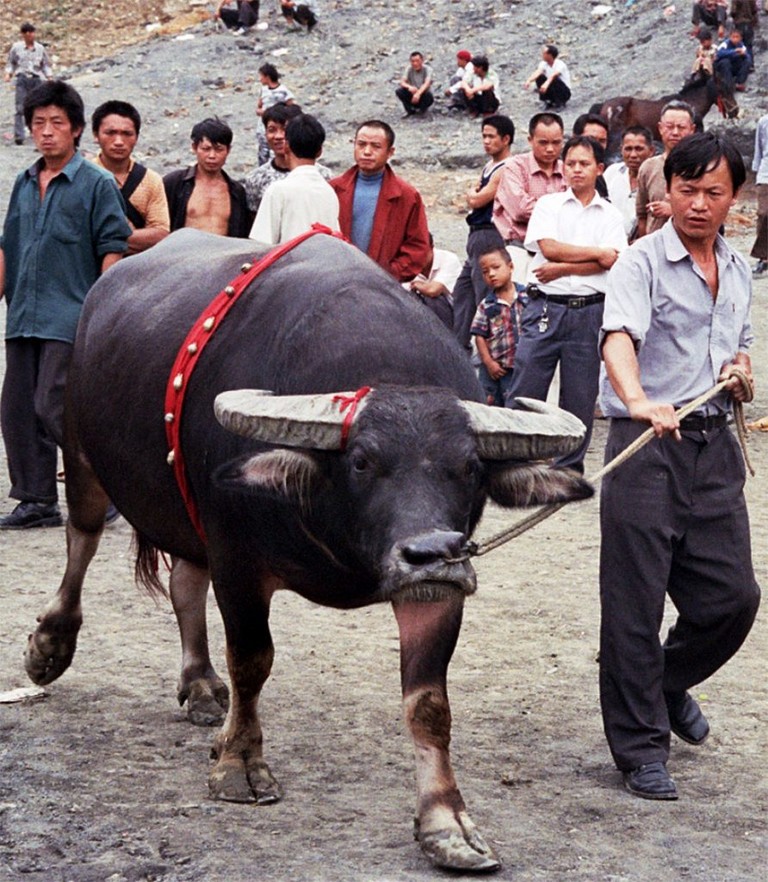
(433, 546)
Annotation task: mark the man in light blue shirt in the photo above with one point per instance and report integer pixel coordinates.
(673, 517)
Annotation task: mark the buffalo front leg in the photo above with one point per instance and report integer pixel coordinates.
(240, 773)
(443, 827)
(204, 692)
(51, 647)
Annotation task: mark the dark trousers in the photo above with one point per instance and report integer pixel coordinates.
(31, 414)
(426, 100)
(557, 93)
(484, 102)
(441, 306)
(732, 71)
(569, 337)
(470, 288)
(760, 248)
(673, 521)
(301, 14)
(24, 85)
(245, 16)
(496, 391)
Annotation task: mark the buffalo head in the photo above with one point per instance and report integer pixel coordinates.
(396, 487)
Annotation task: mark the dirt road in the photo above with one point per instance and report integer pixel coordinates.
(104, 781)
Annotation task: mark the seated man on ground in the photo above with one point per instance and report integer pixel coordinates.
(732, 62)
(464, 71)
(552, 79)
(481, 89)
(415, 88)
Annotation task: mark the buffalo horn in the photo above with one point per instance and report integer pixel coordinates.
(536, 431)
(309, 421)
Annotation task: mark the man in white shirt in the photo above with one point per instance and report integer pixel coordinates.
(552, 79)
(291, 205)
(576, 237)
(760, 168)
(621, 177)
(481, 88)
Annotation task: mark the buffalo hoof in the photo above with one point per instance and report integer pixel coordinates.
(234, 781)
(207, 701)
(48, 655)
(462, 849)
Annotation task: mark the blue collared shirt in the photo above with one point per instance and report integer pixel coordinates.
(658, 295)
(53, 249)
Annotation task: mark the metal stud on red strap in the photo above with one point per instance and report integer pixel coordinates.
(192, 348)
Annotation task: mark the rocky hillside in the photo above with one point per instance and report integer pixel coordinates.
(169, 58)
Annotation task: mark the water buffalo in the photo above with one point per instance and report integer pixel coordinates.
(281, 504)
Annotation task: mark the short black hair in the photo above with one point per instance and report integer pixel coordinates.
(415, 53)
(280, 113)
(389, 132)
(551, 50)
(118, 108)
(214, 129)
(698, 154)
(27, 28)
(305, 135)
(495, 249)
(587, 119)
(269, 70)
(546, 118)
(644, 131)
(56, 93)
(480, 61)
(502, 124)
(705, 34)
(585, 141)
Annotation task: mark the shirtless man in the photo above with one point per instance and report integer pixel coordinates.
(203, 196)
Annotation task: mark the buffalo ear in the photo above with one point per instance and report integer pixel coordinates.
(521, 484)
(293, 475)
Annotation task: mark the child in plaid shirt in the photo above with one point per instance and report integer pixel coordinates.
(496, 326)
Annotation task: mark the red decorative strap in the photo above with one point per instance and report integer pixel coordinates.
(349, 403)
(189, 353)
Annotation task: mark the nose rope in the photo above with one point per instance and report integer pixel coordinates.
(474, 549)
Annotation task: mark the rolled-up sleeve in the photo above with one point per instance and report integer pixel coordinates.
(627, 298)
(109, 228)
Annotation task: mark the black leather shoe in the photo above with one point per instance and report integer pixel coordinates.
(650, 781)
(32, 514)
(685, 718)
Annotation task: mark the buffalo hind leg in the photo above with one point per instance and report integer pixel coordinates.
(443, 827)
(51, 647)
(240, 773)
(204, 692)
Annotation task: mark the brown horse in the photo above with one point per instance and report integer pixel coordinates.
(626, 110)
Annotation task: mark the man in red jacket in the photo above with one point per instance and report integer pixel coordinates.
(379, 212)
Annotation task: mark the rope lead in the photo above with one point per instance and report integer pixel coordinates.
(474, 549)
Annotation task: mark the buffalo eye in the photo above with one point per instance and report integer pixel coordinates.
(359, 463)
(471, 468)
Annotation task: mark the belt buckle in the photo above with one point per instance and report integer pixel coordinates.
(575, 302)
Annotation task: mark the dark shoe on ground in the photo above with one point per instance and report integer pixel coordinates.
(18, 141)
(32, 514)
(650, 781)
(685, 718)
(760, 268)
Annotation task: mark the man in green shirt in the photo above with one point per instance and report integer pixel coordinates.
(65, 226)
